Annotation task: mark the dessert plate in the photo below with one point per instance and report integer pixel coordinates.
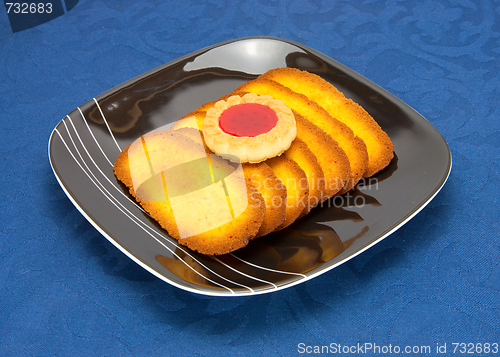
(84, 145)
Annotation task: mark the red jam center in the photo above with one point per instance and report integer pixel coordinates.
(248, 119)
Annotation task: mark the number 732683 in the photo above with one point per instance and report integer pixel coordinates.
(475, 348)
(28, 8)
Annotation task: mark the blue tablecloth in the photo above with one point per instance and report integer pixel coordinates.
(432, 285)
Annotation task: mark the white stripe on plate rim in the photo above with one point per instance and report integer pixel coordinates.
(107, 125)
(246, 275)
(268, 269)
(95, 164)
(92, 134)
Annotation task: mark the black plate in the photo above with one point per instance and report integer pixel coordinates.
(85, 144)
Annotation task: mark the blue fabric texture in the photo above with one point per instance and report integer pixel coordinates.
(65, 290)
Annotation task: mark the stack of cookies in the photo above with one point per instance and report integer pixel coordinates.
(254, 161)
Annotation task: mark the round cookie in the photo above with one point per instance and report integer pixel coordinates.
(250, 128)
(191, 211)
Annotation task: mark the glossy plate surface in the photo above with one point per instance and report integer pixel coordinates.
(85, 144)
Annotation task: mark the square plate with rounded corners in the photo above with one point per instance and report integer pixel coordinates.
(85, 144)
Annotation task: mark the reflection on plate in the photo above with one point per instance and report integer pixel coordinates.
(85, 144)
